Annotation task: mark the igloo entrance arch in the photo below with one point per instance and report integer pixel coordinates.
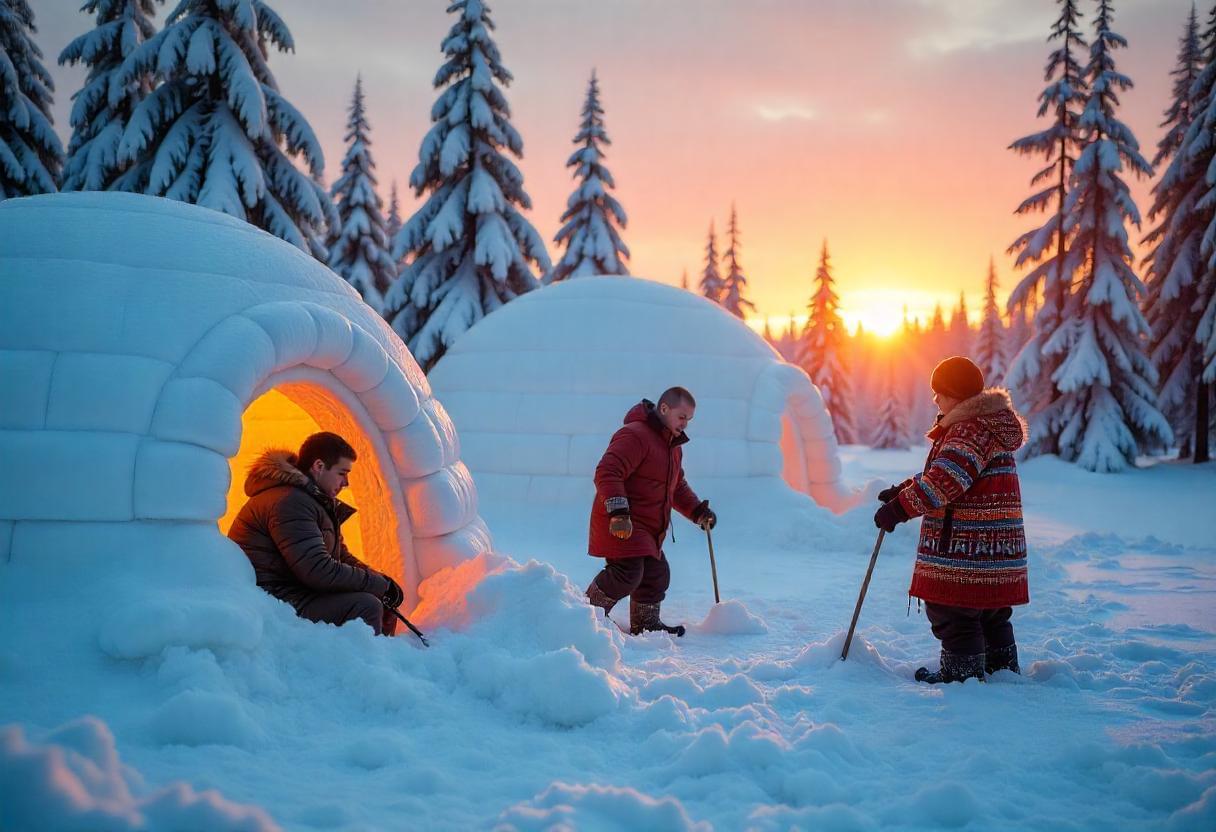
(285, 414)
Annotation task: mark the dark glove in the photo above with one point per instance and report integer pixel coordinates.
(704, 516)
(889, 494)
(393, 596)
(890, 515)
(621, 526)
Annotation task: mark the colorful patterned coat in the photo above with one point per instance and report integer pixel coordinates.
(972, 548)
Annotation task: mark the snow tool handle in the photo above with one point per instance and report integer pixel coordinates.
(861, 596)
(413, 629)
(713, 565)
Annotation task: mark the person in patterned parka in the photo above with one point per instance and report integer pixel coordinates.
(971, 556)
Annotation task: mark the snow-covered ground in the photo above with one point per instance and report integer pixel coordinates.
(528, 714)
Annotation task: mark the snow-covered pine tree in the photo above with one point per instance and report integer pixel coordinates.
(392, 223)
(593, 243)
(1107, 406)
(734, 284)
(1032, 368)
(891, 428)
(711, 278)
(216, 131)
(1179, 268)
(684, 280)
(936, 340)
(990, 343)
(960, 328)
(31, 156)
(102, 107)
(471, 249)
(359, 248)
(822, 351)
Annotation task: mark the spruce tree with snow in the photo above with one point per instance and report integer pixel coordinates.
(1179, 265)
(734, 284)
(1106, 410)
(822, 351)
(216, 132)
(103, 107)
(990, 342)
(31, 155)
(471, 249)
(891, 430)
(1031, 371)
(392, 223)
(711, 278)
(359, 251)
(960, 328)
(593, 243)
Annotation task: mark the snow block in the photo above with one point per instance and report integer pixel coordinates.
(25, 378)
(367, 364)
(436, 553)
(442, 502)
(290, 328)
(117, 393)
(424, 445)
(237, 353)
(763, 458)
(175, 481)
(482, 411)
(334, 337)
(70, 475)
(392, 403)
(199, 411)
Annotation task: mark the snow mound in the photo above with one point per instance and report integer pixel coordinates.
(523, 638)
(731, 618)
(74, 780)
(595, 808)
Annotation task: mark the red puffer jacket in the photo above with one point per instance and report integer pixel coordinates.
(641, 471)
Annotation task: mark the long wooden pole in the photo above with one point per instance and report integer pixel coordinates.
(862, 596)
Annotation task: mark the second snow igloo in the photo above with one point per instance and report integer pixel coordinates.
(149, 349)
(537, 388)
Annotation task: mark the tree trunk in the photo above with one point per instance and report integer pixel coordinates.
(1203, 421)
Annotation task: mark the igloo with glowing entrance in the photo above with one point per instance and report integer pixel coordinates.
(149, 348)
(537, 388)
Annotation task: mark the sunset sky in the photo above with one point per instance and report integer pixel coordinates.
(882, 125)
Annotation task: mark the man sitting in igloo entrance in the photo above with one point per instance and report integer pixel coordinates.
(291, 531)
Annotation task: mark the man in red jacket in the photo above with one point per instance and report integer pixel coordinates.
(639, 480)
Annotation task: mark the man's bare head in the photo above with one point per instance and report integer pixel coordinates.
(676, 408)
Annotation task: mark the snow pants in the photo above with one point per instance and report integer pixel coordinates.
(645, 579)
(968, 632)
(340, 607)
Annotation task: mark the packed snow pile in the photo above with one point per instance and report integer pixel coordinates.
(537, 389)
(74, 779)
(731, 618)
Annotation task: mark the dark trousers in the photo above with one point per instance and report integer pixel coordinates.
(645, 579)
(340, 607)
(968, 632)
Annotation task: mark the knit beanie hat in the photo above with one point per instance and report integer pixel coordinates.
(958, 378)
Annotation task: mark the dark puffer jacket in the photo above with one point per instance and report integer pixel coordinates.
(972, 548)
(291, 533)
(642, 473)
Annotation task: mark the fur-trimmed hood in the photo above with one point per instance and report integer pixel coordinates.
(993, 408)
(275, 466)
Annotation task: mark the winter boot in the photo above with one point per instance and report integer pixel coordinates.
(1002, 658)
(645, 618)
(597, 598)
(955, 668)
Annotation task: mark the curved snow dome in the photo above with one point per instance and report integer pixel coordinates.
(149, 349)
(537, 388)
